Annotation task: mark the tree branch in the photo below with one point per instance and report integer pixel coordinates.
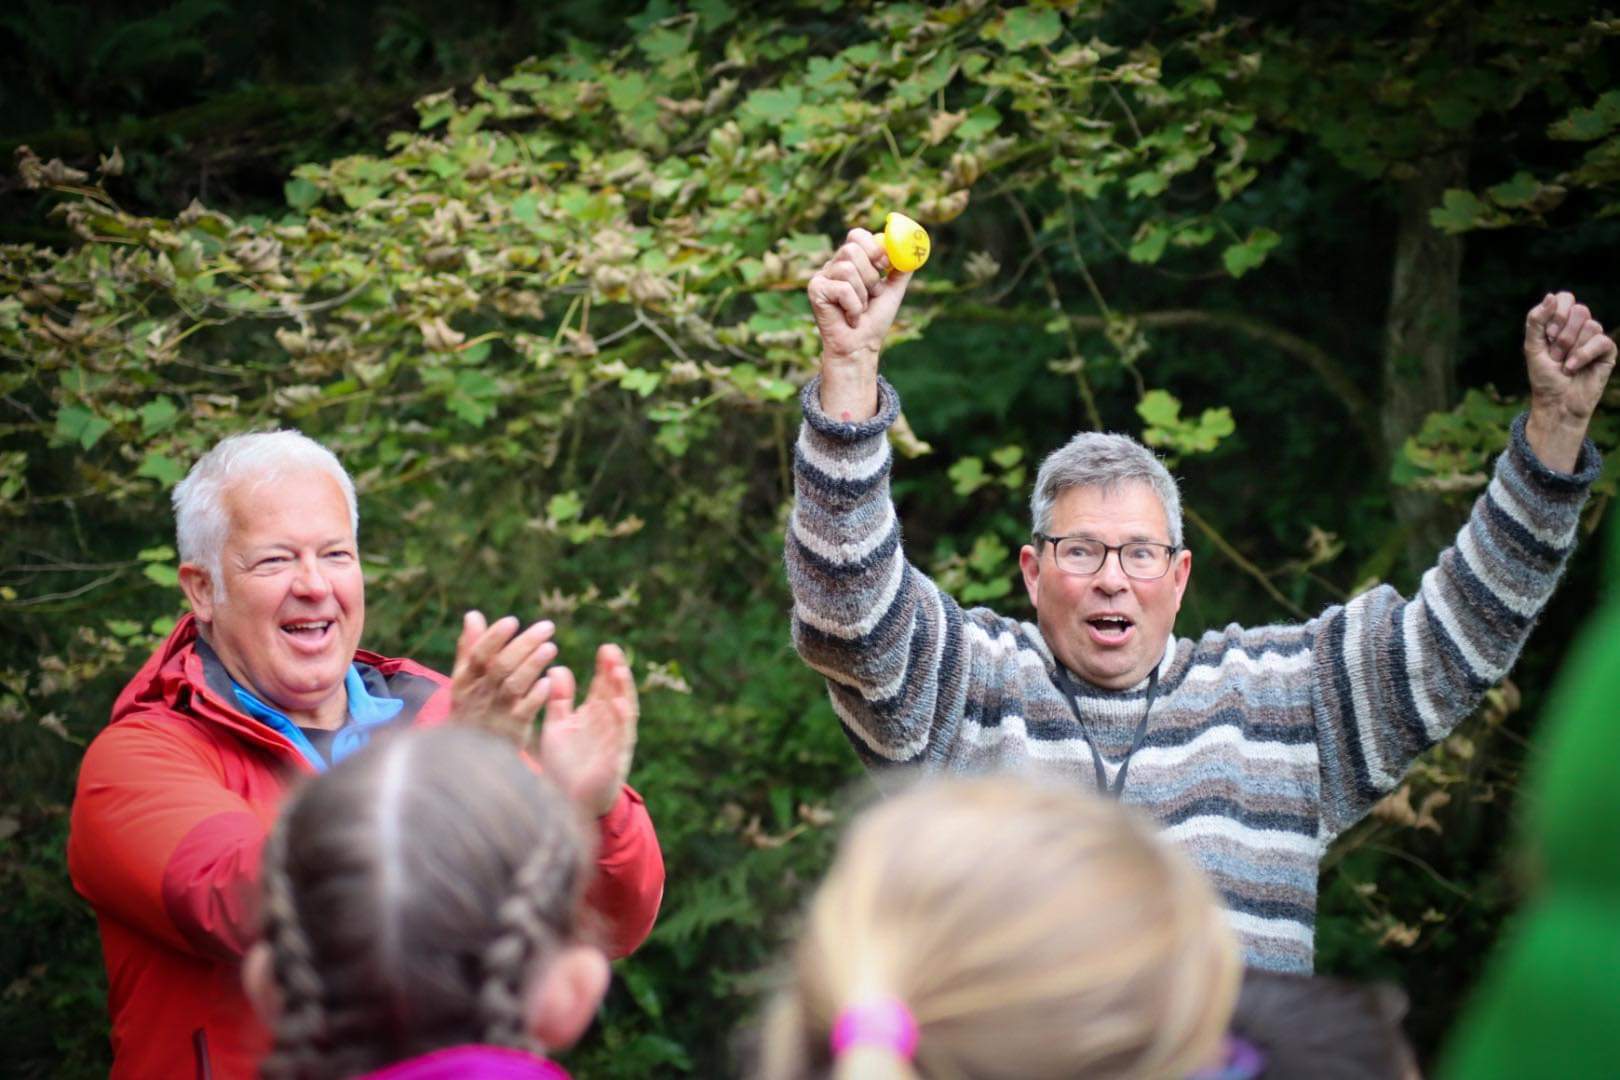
(1225, 548)
(1324, 366)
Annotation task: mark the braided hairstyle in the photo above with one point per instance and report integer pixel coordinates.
(1034, 932)
(411, 895)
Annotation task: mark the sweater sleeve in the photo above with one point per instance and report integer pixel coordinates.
(1392, 676)
(891, 645)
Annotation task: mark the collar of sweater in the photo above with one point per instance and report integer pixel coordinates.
(1109, 708)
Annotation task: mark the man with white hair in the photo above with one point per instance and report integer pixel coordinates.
(265, 682)
(1253, 748)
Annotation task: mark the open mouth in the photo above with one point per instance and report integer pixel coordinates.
(308, 631)
(1110, 629)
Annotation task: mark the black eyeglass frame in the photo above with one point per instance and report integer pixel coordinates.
(1170, 551)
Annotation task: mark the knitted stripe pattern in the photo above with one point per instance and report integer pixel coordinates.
(1263, 743)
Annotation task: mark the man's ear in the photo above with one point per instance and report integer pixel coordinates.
(563, 1003)
(198, 585)
(1029, 562)
(259, 981)
(1180, 572)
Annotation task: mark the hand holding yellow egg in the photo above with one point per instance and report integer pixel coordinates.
(906, 243)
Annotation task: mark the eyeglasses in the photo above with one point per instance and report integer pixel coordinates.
(1140, 559)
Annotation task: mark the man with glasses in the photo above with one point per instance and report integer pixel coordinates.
(1253, 747)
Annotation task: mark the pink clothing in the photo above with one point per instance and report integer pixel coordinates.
(472, 1063)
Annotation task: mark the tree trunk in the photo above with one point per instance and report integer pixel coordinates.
(1420, 343)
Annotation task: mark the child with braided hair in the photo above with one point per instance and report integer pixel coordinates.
(422, 913)
(996, 928)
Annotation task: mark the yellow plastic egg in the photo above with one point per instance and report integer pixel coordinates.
(906, 242)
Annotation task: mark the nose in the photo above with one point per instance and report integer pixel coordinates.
(1110, 576)
(310, 582)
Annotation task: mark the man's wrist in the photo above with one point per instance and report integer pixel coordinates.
(849, 389)
(1555, 436)
(602, 810)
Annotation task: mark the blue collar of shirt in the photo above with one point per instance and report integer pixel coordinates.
(366, 713)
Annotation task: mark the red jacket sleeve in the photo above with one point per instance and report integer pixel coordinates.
(629, 882)
(158, 843)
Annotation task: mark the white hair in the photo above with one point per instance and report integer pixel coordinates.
(200, 519)
(1095, 459)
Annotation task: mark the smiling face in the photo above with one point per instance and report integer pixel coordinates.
(1108, 628)
(292, 598)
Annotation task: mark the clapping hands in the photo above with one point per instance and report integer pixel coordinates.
(500, 684)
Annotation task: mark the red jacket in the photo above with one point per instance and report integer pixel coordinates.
(175, 798)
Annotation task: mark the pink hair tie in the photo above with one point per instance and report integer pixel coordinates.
(882, 1022)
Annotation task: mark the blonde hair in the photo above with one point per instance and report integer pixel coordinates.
(1032, 931)
(410, 896)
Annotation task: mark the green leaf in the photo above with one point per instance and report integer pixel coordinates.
(155, 554)
(628, 90)
(1159, 408)
(564, 506)
(776, 389)
(470, 120)
(1148, 183)
(1241, 258)
(1149, 243)
(525, 208)
(1458, 212)
(162, 573)
(157, 415)
(1007, 456)
(1519, 191)
(980, 591)
(301, 194)
(967, 476)
(989, 554)
(640, 381)
(781, 46)
(774, 106)
(1456, 112)
(76, 423)
(164, 470)
(981, 121)
(435, 110)
(1166, 428)
(356, 197)
(1028, 27)
(643, 989)
(714, 13)
(1581, 125)
(124, 628)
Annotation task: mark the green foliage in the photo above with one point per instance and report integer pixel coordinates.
(1167, 429)
(555, 332)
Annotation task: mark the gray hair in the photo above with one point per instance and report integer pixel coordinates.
(408, 910)
(1095, 459)
(200, 521)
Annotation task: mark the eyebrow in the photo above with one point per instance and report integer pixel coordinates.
(270, 547)
(1135, 538)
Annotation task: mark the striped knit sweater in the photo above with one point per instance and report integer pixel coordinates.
(1263, 744)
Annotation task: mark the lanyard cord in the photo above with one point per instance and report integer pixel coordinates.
(1071, 695)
